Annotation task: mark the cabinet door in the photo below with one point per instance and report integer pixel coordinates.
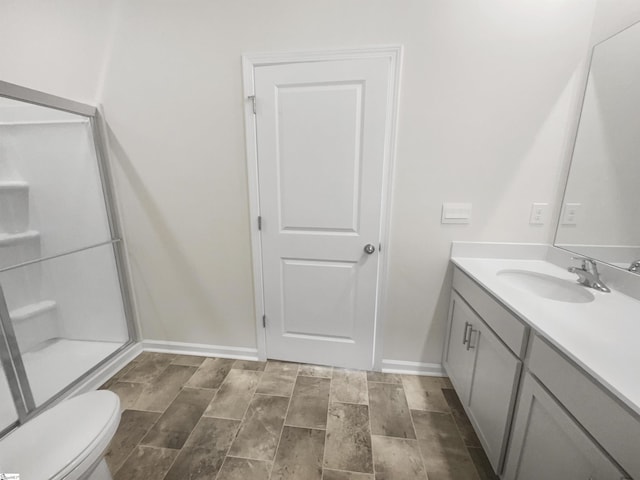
(458, 360)
(492, 391)
(547, 443)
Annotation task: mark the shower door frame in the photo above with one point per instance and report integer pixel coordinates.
(10, 356)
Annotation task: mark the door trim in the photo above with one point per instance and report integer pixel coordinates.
(393, 53)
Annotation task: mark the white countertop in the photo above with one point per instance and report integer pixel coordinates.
(602, 336)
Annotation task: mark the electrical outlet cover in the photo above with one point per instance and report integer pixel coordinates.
(538, 213)
(570, 213)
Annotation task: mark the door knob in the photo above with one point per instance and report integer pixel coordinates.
(368, 248)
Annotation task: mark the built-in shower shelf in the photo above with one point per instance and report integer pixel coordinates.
(32, 310)
(14, 206)
(8, 239)
(32, 123)
(13, 185)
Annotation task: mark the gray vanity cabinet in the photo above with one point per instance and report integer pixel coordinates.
(565, 424)
(547, 443)
(485, 374)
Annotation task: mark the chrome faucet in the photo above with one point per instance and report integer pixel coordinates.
(588, 274)
(635, 266)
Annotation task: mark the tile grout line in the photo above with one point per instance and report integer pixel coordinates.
(213, 399)
(218, 417)
(146, 433)
(350, 471)
(350, 403)
(140, 363)
(226, 455)
(197, 423)
(183, 445)
(314, 365)
(119, 374)
(395, 438)
(274, 394)
(249, 458)
(135, 447)
(326, 431)
(215, 395)
(401, 385)
(304, 426)
(415, 431)
(331, 401)
(159, 448)
(284, 420)
(466, 447)
(172, 400)
(373, 462)
(196, 388)
(245, 410)
(455, 423)
(114, 474)
(139, 444)
(314, 427)
(241, 458)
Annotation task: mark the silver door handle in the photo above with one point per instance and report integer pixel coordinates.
(471, 330)
(464, 335)
(368, 248)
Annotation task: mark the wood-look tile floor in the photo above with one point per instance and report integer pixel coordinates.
(187, 417)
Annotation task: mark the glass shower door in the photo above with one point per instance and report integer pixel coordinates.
(8, 408)
(59, 254)
(8, 413)
(70, 322)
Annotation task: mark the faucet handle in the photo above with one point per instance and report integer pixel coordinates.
(588, 275)
(635, 266)
(588, 264)
(584, 261)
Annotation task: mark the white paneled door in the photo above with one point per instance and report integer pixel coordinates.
(322, 140)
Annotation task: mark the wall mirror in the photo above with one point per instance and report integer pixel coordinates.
(599, 216)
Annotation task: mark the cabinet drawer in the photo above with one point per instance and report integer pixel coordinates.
(614, 427)
(509, 328)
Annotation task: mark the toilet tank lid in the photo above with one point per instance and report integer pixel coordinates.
(60, 438)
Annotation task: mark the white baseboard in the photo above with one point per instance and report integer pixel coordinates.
(413, 368)
(240, 353)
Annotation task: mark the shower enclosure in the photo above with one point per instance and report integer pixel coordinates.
(64, 305)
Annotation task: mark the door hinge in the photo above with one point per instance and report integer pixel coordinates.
(252, 98)
(259, 222)
(264, 321)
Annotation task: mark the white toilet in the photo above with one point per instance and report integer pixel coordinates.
(67, 441)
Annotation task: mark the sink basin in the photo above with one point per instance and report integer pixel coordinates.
(547, 286)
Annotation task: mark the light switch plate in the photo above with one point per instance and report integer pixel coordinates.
(570, 213)
(538, 213)
(456, 213)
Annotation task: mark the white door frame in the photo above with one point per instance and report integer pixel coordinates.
(393, 54)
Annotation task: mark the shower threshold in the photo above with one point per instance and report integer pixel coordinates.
(54, 366)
